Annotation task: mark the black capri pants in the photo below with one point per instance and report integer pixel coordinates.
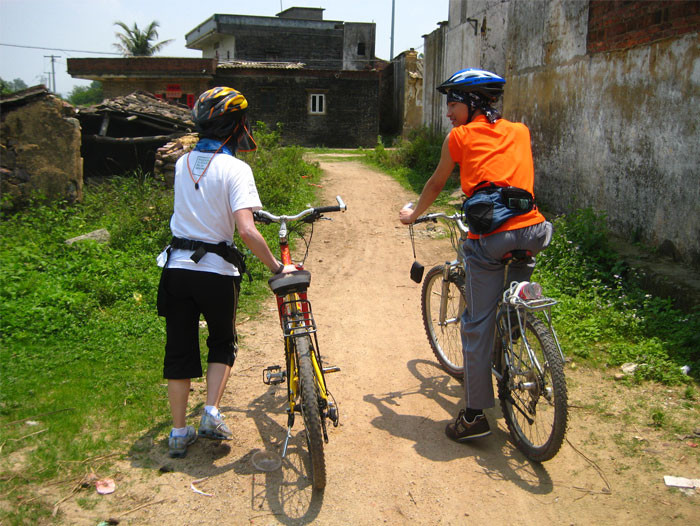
(189, 294)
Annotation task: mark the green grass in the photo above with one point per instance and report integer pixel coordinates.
(82, 346)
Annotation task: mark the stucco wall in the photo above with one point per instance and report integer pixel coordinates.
(473, 37)
(616, 130)
(433, 75)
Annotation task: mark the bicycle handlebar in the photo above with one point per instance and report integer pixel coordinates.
(309, 215)
(456, 217)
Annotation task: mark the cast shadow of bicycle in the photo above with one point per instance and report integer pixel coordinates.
(286, 493)
(499, 459)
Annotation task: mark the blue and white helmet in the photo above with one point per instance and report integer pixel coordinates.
(478, 81)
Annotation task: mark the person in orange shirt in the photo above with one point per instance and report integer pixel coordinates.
(491, 152)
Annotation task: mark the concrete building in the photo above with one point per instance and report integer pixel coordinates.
(318, 78)
(297, 34)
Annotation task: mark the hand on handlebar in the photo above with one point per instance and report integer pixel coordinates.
(288, 268)
(406, 214)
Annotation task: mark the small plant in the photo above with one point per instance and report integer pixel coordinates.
(689, 392)
(413, 161)
(658, 418)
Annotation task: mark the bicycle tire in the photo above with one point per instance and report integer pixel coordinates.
(540, 439)
(310, 411)
(445, 340)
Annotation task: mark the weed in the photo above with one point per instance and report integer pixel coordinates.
(658, 418)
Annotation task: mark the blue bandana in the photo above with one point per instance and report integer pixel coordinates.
(211, 145)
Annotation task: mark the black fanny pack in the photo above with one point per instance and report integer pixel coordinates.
(490, 206)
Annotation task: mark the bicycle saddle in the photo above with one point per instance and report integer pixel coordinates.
(297, 281)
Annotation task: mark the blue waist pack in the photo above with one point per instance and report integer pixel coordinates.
(490, 206)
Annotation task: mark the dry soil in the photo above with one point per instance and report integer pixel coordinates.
(389, 460)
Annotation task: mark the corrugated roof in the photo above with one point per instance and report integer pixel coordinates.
(240, 64)
(143, 104)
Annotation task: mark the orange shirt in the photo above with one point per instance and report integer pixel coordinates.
(499, 153)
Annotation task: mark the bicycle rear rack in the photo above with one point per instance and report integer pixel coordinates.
(544, 304)
(297, 317)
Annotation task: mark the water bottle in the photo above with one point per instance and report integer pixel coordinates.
(528, 290)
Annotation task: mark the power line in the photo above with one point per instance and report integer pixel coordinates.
(59, 49)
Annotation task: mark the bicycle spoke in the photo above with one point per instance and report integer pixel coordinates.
(533, 393)
(441, 319)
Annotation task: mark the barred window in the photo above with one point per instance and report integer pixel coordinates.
(317, 103)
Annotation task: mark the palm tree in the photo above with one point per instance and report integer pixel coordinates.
(134, 42)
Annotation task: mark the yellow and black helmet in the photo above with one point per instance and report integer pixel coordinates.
(218, 110)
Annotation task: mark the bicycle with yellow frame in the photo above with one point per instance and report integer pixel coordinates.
(304, 372)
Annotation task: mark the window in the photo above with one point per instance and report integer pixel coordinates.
(317, 103)
(361, 49)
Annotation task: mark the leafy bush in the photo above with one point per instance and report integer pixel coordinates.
(86, 95)
(604, 314)
(413, 160)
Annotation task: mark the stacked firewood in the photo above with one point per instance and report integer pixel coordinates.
(167, 156)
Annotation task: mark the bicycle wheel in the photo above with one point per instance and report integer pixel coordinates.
(310, 411)
(444, 336)
(534, 405)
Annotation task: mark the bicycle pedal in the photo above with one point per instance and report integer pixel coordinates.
(331, 369)
(332, 413)
(274, 375)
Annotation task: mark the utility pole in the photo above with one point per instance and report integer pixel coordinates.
(53, 71)
(391, 51)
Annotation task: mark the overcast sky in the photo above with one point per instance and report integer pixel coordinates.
(70, 28)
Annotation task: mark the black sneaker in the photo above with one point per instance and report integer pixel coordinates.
(463, 430)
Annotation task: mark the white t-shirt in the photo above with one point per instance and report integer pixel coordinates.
(206, 214)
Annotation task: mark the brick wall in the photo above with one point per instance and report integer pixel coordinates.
(317, 48)
(351, 117)
(621, 24)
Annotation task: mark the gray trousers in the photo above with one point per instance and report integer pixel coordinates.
(484, 287)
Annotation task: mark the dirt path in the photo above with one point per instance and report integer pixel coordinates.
(389, 461)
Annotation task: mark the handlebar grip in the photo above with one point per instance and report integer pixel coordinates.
(424, 219)
(260, 219)
(324, 209)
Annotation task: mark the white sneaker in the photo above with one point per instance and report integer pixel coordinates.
(214, 427)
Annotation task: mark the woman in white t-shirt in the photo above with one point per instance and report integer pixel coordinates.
(215, 195)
